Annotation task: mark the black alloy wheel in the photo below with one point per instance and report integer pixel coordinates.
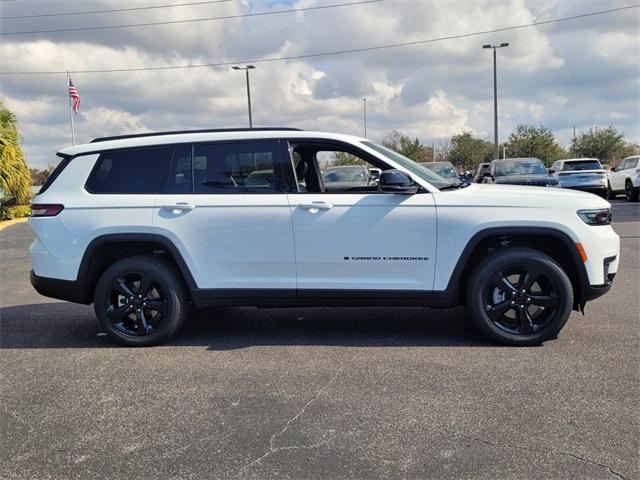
(630, 193)
(141, 301)
(521, 299)
(609, 193)
(136, 304)
(519, 296)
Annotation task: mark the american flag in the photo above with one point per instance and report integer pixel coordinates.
(75, 96)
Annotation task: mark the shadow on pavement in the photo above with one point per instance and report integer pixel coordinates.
(65, 325)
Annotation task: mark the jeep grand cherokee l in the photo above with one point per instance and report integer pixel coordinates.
(147, 226)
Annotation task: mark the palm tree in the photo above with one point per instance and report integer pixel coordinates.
(15, 179)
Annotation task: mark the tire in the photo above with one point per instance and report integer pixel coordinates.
(631, 192)
(610, 193)
(530, 308)
(141, 301)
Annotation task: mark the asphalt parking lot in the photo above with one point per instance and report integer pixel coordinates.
(321, 393)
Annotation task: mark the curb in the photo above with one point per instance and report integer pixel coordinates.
(8, 223)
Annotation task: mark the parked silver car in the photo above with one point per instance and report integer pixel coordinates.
(444, 169)
(348, 176)
(586, 174)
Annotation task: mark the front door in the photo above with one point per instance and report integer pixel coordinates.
(349, 235)
(616, 179)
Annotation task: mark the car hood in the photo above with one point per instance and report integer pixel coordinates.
(483, 194)
(526, 179)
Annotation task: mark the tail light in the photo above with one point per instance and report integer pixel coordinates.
(45, 210)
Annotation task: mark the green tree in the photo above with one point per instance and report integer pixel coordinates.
(531, 141)
(39, 176)
(605, 144)
(468, 151)
(402, 144)
(344, 158)
(15, 179)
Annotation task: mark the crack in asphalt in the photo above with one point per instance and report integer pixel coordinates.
(272, 446)
(555, 452)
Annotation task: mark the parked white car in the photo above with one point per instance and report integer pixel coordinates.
(586, 174)
(146, 226)
(625, 178)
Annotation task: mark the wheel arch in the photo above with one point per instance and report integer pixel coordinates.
(104, 250)
(553, 242)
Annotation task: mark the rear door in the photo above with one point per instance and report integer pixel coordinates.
(225, 208)
(360, 240)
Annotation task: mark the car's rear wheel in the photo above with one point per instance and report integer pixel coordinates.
(519, 296)
(141, 301)
(630, 192)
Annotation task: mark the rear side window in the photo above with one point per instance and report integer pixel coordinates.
(181, 174)
(248, 167)
(134, 171)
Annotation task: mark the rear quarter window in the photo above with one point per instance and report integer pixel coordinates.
(132, 171)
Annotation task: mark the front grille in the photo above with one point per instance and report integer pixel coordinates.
(608, 277)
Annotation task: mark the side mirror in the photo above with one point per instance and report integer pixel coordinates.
(396, 181)
(551, 170)
(487, 174)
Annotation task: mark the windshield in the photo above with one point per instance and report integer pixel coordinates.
(445, 171)
(582, 165)
(417, 170)
(344, 175)
(520, 167)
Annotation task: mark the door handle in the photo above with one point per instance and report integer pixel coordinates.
(315, 206)
(179, 207)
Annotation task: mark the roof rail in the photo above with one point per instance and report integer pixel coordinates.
(177, 132)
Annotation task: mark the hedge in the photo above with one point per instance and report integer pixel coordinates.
(10, 213)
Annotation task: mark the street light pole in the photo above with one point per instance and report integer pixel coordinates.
(246, 71)
(364, 100)
(495, 95)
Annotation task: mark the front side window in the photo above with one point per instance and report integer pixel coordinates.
(132, 171)
(252, 167)
(631, 163)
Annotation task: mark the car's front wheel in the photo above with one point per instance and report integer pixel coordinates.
(141, 301)
(519, 296)
(630, 192)
(610, 193)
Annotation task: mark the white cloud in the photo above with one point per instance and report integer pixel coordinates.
(577, 73)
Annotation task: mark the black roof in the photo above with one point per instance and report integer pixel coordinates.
(177, 132)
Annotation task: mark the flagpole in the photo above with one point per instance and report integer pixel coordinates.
(73, 133)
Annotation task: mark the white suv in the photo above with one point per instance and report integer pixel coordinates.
(146, 226)
(626, 178)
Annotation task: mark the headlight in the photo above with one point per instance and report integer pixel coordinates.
(601, 216)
